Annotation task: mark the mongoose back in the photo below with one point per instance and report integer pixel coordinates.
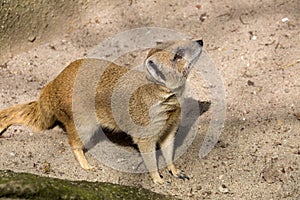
(154, 107)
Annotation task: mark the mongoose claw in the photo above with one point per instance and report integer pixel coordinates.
(182, 176)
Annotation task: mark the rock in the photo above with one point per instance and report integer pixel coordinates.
(250, 83)
(29, 186)
(32, 38)
(223, 189)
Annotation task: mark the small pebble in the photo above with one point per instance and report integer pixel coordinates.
(198, 6)
(199, 187)
(285, 19)
(250, 83)
(223, 189)
(31, 38)
(47, 167)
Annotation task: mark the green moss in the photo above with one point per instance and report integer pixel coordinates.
(29, 186)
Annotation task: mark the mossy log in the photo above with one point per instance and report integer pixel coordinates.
(29, 186)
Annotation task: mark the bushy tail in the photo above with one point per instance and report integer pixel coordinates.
(28, 114)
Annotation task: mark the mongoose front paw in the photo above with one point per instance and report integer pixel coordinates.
(158, 181)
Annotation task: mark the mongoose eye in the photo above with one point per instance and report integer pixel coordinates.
(178, 55)
(150, 62)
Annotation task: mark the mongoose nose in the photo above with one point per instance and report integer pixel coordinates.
(200, 42)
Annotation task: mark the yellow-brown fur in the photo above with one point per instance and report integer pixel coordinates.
(155, 104)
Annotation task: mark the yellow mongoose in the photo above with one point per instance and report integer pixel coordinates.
(156, 102)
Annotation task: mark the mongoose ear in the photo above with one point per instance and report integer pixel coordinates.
(155, 71)
(160, 46)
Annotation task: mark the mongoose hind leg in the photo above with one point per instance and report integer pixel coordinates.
(77, 146)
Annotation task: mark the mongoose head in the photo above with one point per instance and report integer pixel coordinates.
(170, 63)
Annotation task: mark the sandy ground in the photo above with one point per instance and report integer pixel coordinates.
(255, 46)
